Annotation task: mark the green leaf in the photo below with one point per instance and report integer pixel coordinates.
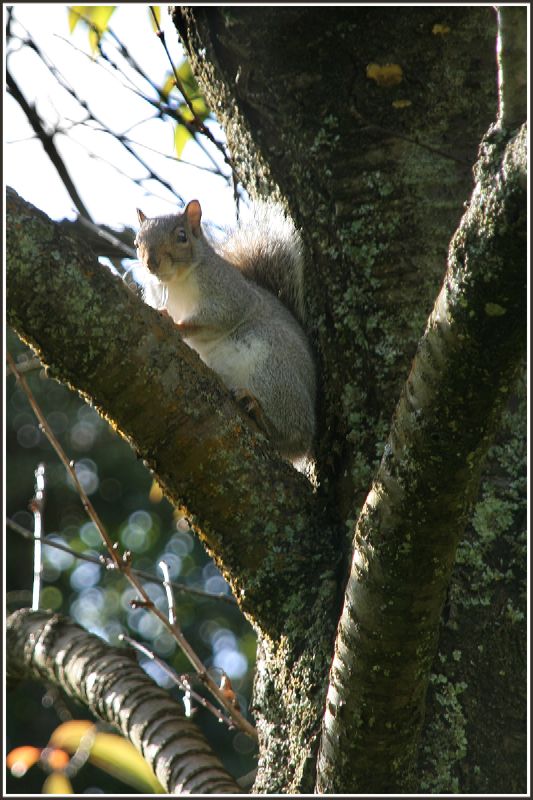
(200, 108)
(181, 137)
(119, 758)
(187, 79)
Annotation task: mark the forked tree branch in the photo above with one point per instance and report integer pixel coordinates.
(255, 513)
(108, 680)
(407, 533)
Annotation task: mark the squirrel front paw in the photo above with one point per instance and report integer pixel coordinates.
(249, 403)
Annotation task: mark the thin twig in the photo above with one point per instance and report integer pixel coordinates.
(160, 105)
(140, 573)
(37, 506)
(239, 720)
(69, 465)
(83, 103)
(123, 565)
(197, 121)
(181, 681)
(47, 141)
(163, 566)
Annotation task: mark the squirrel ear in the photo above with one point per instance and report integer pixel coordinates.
(141, 216)
(193, 212)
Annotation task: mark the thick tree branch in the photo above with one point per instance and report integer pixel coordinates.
(108, 680)
(408, 531)
(255, 513)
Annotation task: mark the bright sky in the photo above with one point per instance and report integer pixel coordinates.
(110, 196)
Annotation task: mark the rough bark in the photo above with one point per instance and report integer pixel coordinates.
(256, 515)
(82, 321)
(407, 534)
(108, 680)
(376, 174)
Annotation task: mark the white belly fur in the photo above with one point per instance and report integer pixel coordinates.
(233, 360)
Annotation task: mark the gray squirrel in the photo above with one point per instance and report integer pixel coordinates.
(231, 302)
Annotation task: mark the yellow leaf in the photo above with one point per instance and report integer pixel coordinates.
(68, 735)
(401, 103)
(385, 74)
(157, 12)
(111, 753)
(168, 85)
(73, 16)
(100, 16)
(57, 783)
(118, 757)
(156, 492)
(96, 18)
(181, 137)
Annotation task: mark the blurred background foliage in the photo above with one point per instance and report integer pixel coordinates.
(136, 516)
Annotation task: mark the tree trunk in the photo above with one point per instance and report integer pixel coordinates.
(367, 121)
(376, 173)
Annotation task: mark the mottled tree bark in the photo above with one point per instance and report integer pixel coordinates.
(366, 121)
(376, 171)
(171, 408)
(406, 537)
(45, 646)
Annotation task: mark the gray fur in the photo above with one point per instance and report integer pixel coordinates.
(240, 328)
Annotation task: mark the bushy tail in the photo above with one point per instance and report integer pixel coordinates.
(267, 248)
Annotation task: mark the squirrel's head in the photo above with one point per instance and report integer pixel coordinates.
(166, 245)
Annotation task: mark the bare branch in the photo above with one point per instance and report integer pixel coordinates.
(159, 104)
(163, 566)
(47, 141)
(103, 240)
(67, 463)
(83, 104)
(141, 573)
(197, 121)
(37, 506)
(123, 563)
(111, 684)
(181, 681)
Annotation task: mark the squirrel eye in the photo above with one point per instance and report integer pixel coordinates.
(182, 236)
